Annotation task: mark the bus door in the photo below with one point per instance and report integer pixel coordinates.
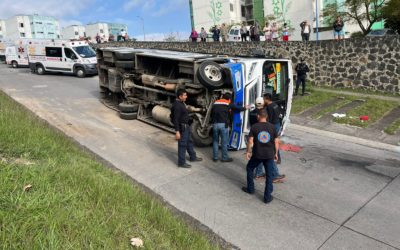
(278, 81)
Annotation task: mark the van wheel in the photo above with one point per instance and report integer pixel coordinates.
(80, 72)
(128, 116)
(40, 70)
(201, 138)
(128, 108)
(14, 64)
(211, 75)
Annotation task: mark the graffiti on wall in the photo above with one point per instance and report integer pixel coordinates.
(280, 11)
(215, 12)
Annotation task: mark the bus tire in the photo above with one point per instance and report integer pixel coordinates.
(128, 116)
(211, 75)
(200, 139)
(128, 108)
(14, 64)
(80, 72)
(40, 69)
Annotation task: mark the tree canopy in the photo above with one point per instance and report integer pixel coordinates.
(391, 15)
(363, 12)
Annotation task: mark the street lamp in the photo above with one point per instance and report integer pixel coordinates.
(144, 34)
(317, 17)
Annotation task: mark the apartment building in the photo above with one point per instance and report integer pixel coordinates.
(2, 28)
(215, 12)
(32, 26)
(73, 32)
(94, 29)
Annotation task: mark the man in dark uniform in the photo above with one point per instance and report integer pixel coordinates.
(262, 148)
(302, 70)
(181, 121)
(221, 112)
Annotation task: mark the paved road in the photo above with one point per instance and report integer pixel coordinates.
(341, 192)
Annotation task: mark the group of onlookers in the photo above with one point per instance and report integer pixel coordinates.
(271, 32)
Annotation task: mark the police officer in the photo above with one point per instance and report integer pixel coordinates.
(262, 148)
(180, 119)
(220, 117)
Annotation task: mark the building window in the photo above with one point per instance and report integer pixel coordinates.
(50, 33)
(243, 11)
(38, 22)
(53, 52)
(0, 28)
(101, 31)
(76, 33)
(22, 34)
(231, 6)
(21, 25)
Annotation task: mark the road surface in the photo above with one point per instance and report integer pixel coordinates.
(341, 192)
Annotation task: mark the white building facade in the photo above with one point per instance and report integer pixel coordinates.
(2, 28)
(215, 12)
(74, 32)
(94, 29)
(31, 26)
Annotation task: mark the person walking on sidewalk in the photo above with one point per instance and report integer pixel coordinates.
(220, 116)
(181, 121)
(301, 70)
(262, 148)
(273, 112)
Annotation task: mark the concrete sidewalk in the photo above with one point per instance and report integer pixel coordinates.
(338, 195)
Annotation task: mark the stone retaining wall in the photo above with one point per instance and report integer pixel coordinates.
(364, 63)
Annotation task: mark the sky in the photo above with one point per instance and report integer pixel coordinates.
(161, 18)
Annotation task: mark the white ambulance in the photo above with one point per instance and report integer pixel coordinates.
(75, 57)
(17, 54)
(4, 43)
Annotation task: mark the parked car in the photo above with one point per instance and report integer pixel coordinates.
(382, 32)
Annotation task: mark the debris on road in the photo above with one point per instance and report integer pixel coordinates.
(27, 187)
(337, 115)
(137, 242)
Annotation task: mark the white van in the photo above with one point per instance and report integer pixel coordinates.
(75, 57)
(16, 56)
(4, 43)
(234, 34)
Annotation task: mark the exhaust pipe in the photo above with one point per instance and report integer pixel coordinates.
(161, 114)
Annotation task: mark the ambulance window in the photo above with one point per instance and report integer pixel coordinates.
(69, 53)
(53, 52)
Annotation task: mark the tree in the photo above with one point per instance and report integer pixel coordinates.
(363, 12)
(391, 15)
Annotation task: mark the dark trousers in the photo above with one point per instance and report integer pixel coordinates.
(185, 144)
(268, 165)
(243, 36)
(203, 39)
(305, 37)
(301, 79)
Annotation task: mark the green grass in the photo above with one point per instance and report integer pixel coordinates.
(331, 108)
(393, 128)
(373, 108)
(358, 91)
(301, 103)
(75, 202)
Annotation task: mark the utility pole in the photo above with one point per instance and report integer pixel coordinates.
(316, 18)
(144, 34)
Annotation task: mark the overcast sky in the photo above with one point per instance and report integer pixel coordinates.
(161, 17)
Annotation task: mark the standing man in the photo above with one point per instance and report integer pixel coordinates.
(273, 118)
(224, 33)
(181, 121)
(262, 148)
(203, 35)
(305, 31)
(243, 32)
(338, 28)
(215, 31)
(220, 116)
(301, 70)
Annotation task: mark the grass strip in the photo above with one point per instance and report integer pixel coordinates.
(331, 108)
(315, 97)
(393, 128)
(75, 202)
(373, 108)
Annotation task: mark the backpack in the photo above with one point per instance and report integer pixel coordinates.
(278, 111)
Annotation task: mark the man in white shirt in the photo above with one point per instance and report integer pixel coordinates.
(305, 31)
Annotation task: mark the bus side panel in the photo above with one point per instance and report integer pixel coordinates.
(236, 71)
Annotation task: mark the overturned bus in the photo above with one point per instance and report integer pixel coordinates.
(142, 84)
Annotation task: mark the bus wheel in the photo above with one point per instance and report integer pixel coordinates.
(201, 138)
(128, 116)
(14, 64)
(40, 70)
(211, 75)
(80, 72)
